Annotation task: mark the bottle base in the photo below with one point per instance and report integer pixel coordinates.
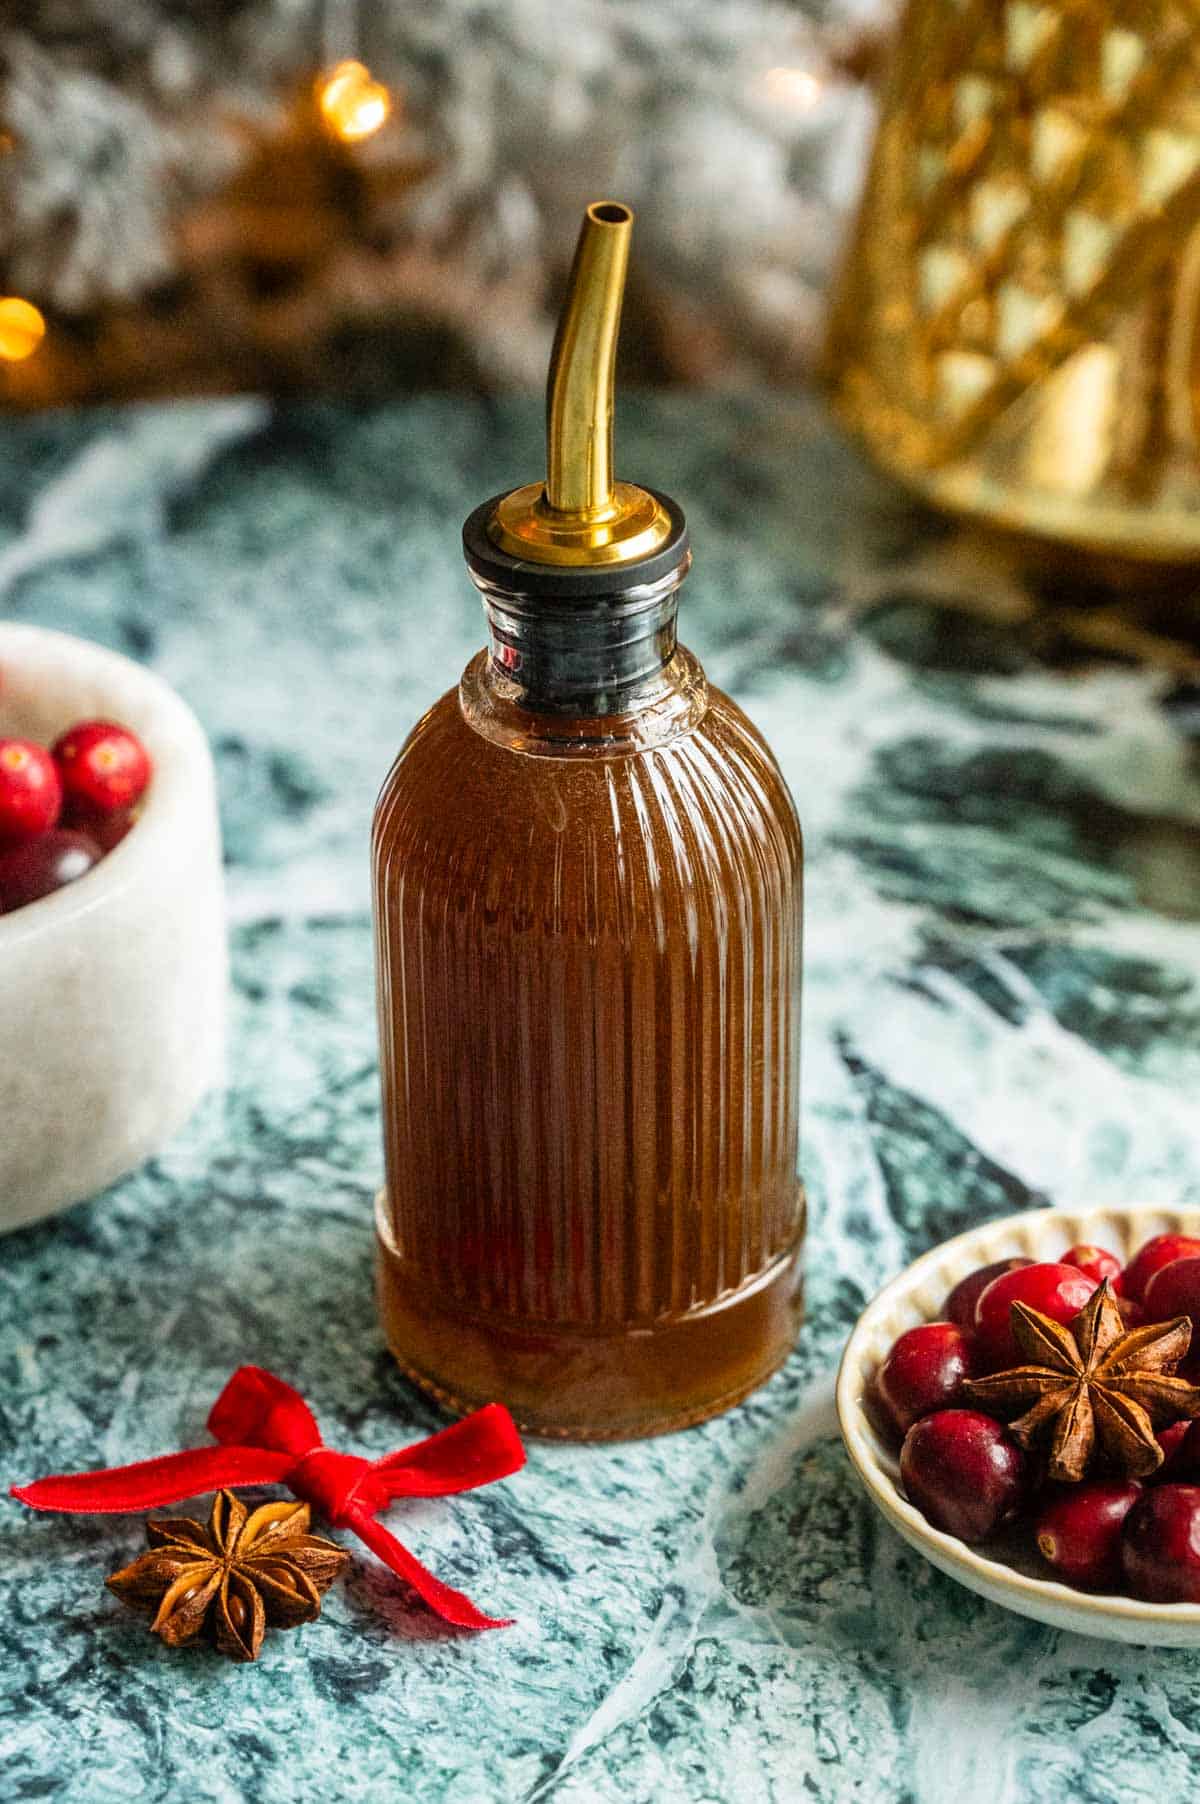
(589, 1385)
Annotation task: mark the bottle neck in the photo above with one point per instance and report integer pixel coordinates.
(577, 675)
(587, 656)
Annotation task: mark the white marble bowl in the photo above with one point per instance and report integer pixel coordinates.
(1013, 1576)
(112, 990)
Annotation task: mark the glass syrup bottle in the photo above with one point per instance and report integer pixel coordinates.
(587, 887)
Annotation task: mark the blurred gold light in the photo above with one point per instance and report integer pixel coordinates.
(353, 104)
(22, 329)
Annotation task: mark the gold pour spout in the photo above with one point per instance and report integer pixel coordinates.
(582, 515)
(579, 393)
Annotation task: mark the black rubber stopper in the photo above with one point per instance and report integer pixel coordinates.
(569, 581)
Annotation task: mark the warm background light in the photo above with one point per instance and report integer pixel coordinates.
(798, 88)
(353, 104)
(22, 329)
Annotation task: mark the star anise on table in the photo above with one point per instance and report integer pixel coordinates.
(232, 1576)
(1094, 1387)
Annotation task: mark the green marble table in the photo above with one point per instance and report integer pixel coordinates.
(1003, 1010)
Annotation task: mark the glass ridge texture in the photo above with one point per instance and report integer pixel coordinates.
(588, 950)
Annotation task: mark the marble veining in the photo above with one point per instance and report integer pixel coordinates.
(1002, 1010)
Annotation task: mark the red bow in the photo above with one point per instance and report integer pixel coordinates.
(269, 1435)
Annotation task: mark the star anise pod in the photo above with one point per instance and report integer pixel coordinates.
(1093, 1386)
(233, 1576)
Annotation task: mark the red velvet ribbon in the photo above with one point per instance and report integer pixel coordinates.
(268, 1435)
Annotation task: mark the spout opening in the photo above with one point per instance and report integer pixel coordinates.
(609, 212)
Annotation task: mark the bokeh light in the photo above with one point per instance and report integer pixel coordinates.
(22, 329)
(799, 89)
(353, 104)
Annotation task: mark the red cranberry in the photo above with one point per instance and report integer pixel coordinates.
(1175, 1290)
(1097, 1262)
(1161, 1545)
(42, 865)
(1079, 1531)
(923, 1372)
(1132, 1314)
(30, 791)
(960, 1304)
(1181, 1458)
(104, 770)
(962, 1471)
(879, 1417)
(1187, 1455)
(1059, 1291)
(109, 830)
(1156, 1253)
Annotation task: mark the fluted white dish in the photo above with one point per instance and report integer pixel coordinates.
(113, 989)
(1012, 1575)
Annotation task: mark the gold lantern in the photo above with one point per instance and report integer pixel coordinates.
(1017, 328)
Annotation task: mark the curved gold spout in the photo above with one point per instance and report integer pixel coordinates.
(579, 393)
(581, 514)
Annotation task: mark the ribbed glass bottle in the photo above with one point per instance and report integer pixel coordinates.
(588, 932)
